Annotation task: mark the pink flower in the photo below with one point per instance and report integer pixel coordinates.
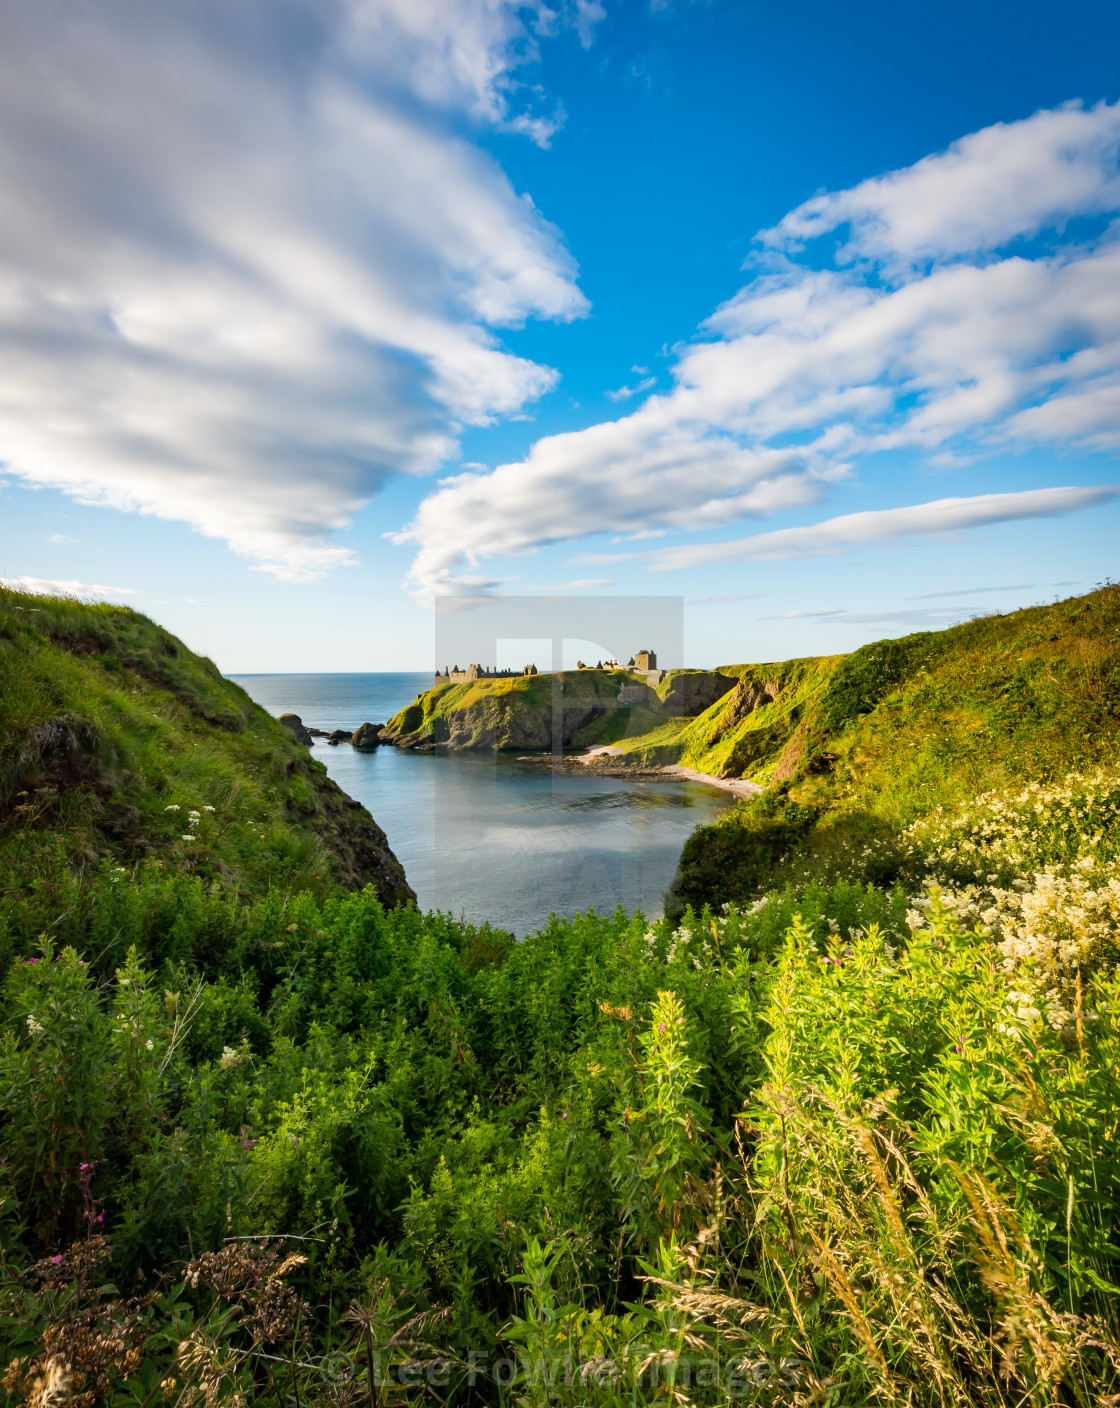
(564, 1116)
(661, 1027)
(56, 1259)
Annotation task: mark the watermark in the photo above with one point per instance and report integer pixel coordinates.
(571, 639)
(642, 1367)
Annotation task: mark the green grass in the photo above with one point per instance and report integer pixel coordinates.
(112, 733)
(854, 748)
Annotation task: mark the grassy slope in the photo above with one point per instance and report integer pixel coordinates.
(106, 721)
(856, 747)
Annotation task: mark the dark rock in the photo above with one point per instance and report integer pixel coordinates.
(295, 723)
(366, 736)
(690, 692)
(340, 735)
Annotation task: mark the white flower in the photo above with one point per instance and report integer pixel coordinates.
(33, 1026)
(150, 1044)
(186, 838)
(207, 809)
(230, 1058)
(174, 807)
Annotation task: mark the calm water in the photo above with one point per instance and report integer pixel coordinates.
(486, 835)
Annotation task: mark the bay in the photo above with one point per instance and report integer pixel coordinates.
(491, 837)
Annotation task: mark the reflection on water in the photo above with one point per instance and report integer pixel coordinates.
(491, 836)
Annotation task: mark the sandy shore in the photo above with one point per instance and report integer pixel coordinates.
(739, 786)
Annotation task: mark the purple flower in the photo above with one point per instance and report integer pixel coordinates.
(564, 1116)
(56, 1259)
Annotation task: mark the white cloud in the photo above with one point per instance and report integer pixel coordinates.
(247, 269)
(882, 525)
(625, 392)
(808, 369)
(616, 476)
(1007, 181)
(43, 586)
(60, 538)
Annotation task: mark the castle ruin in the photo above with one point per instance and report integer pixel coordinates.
(453, 675)
(643, 662)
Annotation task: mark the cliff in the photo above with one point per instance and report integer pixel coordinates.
(597, 706)
(118, 744)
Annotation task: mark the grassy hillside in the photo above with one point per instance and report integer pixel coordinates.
(121, 748)
(854, 748)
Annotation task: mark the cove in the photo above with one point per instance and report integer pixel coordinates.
(492, 837)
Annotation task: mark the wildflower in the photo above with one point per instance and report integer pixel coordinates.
(186, 838)
(34, 1027)
(150, 1044)
(661, 1026)
(174, 807)
(230, 1058)
(207, 809)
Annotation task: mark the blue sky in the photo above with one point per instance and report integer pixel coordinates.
(312, 310)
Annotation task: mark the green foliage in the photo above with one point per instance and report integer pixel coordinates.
(850, 1139)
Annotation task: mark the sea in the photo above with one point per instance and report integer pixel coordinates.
(490, 836)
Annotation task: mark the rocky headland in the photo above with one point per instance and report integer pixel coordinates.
(541, 713)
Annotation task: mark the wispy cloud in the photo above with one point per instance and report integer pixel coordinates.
(582, 584)
(928, 329)
(852, 530)
(625, 392)
(915, 618)
(722, 598)
(60, 538)
(248, 270)
(974, 591)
